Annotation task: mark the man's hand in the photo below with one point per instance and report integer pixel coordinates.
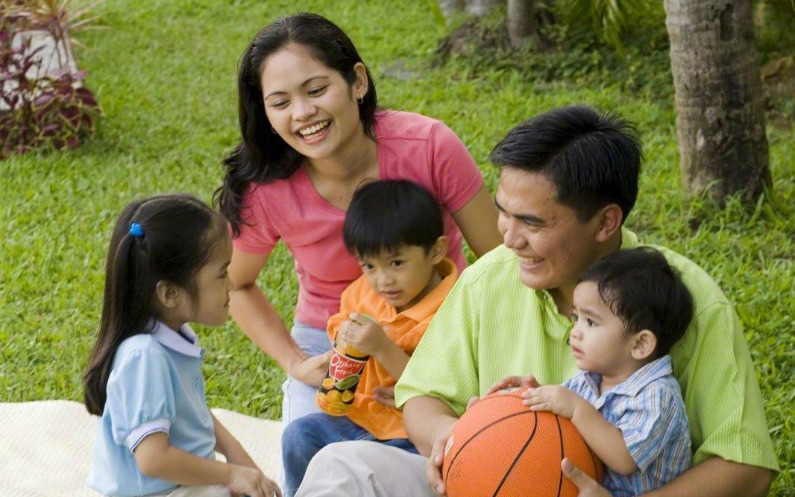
(587, 485)
(433, 466)
(520, 382)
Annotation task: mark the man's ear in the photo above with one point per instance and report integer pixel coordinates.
(168, 294)
(610, 218)
(439, 249)
(644, 344)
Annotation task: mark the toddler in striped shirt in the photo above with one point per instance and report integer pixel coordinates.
(630, 308)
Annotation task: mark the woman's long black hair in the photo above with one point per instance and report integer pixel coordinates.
(262, 155)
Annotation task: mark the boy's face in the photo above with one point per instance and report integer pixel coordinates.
(402, 277)
(598, 341)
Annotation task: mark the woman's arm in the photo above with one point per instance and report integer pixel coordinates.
(255, 315)
(477, 220)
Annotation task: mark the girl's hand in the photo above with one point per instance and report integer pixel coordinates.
(364, 333)
(555, 398)
(313, 369)
(250, 481)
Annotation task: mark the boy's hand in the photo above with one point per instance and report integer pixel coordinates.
(250, 481)
(364, 333)
(385, 395)
(555, 398)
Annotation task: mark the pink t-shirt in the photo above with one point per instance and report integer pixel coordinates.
(410, 146)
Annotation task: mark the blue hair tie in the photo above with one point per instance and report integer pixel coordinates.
(136, 230)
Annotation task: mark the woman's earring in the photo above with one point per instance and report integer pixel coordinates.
(360, 98)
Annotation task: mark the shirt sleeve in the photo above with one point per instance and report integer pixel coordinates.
(455, 174)
(722, 396)
(445, 363)
(258, 235)
(140, 397)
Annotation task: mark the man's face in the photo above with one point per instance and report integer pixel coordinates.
(552, 245)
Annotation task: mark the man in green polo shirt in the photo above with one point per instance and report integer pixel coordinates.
(568, 180)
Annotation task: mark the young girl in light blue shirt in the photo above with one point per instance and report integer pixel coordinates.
(166, 267)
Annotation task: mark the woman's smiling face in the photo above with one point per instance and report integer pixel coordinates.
(311, 106)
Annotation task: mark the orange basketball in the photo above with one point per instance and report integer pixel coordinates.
(500, 448)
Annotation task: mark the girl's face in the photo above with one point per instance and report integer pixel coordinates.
(309, 105)
(211, 305)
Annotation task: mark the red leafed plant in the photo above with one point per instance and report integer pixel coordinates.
(40, 107)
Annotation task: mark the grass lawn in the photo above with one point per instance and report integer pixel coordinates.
(164, 73)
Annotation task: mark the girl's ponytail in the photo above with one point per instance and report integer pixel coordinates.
(167, 237)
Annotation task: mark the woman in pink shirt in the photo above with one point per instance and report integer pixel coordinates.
(311, 134)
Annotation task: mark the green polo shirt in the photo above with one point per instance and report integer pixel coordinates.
(491, 326)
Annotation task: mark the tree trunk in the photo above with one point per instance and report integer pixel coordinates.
(720, 120)
(521, 20)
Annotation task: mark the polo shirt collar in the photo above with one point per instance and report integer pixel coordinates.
(183, 341)
(629, 240)
(637, 381)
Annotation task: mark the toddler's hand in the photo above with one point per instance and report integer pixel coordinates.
(251, 482)
(555, 398)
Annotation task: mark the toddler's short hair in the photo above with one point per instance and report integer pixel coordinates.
(645, 292)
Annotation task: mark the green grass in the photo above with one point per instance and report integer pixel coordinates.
(164, 73)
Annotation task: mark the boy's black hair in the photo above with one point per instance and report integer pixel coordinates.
(593, 159)
(387, 214)
(645, 292)
(174, 237)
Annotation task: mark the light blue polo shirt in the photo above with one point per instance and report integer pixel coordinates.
(156, 384)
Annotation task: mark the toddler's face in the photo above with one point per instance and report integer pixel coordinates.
(598, 341)
(402, 277)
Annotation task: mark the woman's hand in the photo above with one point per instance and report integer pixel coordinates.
(312, 370)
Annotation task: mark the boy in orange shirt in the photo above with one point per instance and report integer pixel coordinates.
(396, 231)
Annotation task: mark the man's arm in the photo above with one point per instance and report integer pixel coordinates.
(429, 422)
(715, 477)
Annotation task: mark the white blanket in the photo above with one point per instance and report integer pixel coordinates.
(45, 447)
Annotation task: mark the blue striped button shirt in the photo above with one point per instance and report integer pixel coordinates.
(649, 410)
